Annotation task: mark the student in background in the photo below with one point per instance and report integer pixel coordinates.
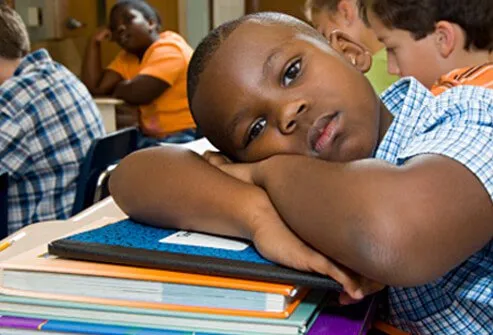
(442, 43)
(150, 72)
(329, 15)
(47, 123)
(399, 189)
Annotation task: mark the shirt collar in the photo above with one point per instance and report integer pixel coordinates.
(33, 59)
(405, 100)
(406, 97)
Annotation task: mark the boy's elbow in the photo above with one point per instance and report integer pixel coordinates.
(399, 259)
(120, 185)
(132, 97)
(97, 91)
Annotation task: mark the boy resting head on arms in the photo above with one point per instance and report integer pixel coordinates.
(442, 43)
(329, 15)
(398, 190)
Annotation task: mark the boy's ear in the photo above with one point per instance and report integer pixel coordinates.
(152, 24)
(355, 53)
(347, 12)
(445, 38)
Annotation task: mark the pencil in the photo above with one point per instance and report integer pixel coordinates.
(14, 239)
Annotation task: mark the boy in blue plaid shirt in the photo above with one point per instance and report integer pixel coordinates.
(47, 122)
(399, 190)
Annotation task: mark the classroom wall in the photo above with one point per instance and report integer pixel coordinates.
(291, 7)
(197, 20)
(70, 51)
(191, 18)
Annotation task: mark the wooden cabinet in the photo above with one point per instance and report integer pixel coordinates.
(291, 7)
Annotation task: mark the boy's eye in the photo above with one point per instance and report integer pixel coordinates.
(291, 73)
(255, 130)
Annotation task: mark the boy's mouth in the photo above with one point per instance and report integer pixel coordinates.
(123, 39)
(322, 133)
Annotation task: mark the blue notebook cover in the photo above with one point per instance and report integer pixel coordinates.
(131, 243)
(27, 323)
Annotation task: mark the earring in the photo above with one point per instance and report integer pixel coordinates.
(353, 60)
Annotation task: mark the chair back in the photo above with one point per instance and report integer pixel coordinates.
(4, 205)
(102, 154)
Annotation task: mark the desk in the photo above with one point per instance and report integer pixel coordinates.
(107, 108)
(46, 231)
(42, 232)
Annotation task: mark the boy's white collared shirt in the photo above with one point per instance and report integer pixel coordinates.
(457, 124)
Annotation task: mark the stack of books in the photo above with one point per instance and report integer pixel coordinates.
(128, 278)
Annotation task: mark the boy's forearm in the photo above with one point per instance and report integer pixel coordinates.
(337, 219)
(92, 71)
(132, 94)
(381, 220)
(174, 187)
(141, 90)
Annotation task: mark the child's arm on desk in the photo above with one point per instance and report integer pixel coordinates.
(177, 188)
(382, 220)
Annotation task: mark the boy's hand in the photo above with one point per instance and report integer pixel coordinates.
(276, 242)
(241, 171)
(103, 34)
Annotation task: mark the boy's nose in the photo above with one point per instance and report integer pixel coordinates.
(121, 28)
(392, 68)
(289, 115)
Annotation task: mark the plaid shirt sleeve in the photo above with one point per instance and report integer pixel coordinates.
(13, 147)
(47, 122)
(457, 124)
(460, 126)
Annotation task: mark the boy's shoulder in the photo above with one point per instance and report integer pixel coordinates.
(418, 114)
(170, 41)
(479, 75)
(409, 96)
(38, 78)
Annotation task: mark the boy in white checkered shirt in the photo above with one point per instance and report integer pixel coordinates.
(398, 190)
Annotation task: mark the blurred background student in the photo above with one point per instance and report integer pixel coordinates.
(150, 72)
(47, 122)
(329, 15)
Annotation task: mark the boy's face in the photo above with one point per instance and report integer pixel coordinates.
(407, 56)
(130, 29)
(270, 89)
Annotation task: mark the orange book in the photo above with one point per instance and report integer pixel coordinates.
(39, 275)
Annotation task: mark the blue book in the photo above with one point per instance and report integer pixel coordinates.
(131, 243)
(296, 324)
(25, 324)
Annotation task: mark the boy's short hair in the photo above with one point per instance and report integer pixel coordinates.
(419, 17)
(212, 42)
(14, 39)
(149, 12)
(316, 6)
